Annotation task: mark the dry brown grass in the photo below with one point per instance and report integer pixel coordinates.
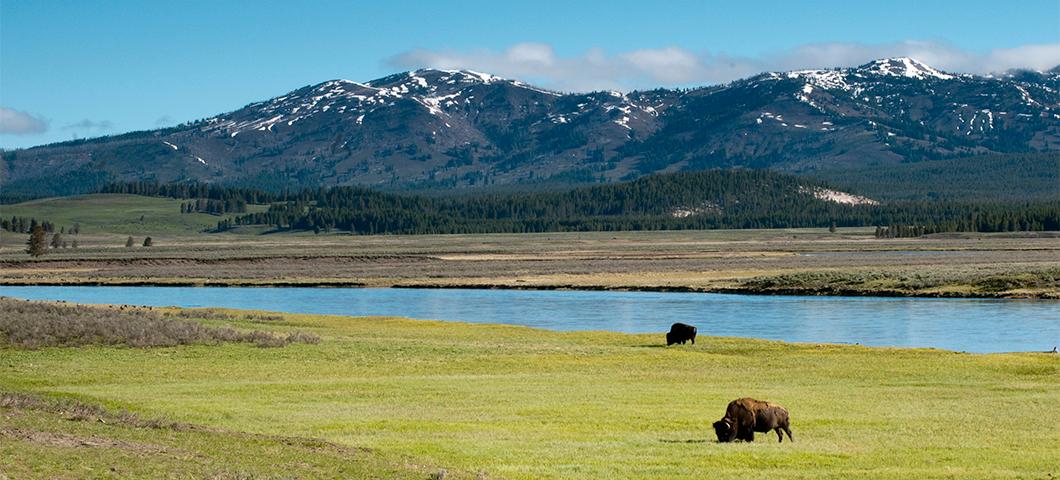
(25, 324)
(695, 260)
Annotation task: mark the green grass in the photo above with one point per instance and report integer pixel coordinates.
(523, 403)
(48, 441)
(117, 213)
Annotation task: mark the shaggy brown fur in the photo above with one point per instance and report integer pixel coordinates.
(745, 416)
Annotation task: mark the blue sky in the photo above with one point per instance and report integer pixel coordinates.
(75, 69)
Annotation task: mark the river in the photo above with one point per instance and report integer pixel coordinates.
(972, 325)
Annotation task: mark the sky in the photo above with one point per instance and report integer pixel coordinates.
(72, 69)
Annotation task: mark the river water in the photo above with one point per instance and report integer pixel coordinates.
(972, 325)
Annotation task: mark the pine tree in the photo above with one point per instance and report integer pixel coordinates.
(148, 242)
(38, 242)
(129, 242)
(57, 240)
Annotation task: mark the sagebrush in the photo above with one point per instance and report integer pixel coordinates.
(27, 324)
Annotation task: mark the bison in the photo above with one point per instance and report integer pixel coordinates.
(745, 416)
(680, 333)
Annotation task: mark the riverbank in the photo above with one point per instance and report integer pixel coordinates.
(516, 402)
(775, 262)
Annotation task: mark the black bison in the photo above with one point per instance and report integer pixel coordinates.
(681, 333)
(745, 416)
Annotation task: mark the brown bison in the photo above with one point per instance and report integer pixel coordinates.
(745, 416)
(680, 333)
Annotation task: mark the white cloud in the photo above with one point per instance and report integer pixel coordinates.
(20, 123)
(87, 124)
(531, 54)
(595, 69)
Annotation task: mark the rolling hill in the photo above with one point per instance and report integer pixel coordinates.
(117, 214)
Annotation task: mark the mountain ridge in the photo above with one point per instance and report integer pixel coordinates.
(458, 129)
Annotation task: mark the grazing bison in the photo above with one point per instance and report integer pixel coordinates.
(681, 333)
(745, 416)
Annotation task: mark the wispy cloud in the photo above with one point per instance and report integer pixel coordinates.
(20, 123)
(595, 69)
(90, 125)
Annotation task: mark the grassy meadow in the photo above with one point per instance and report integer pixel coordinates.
(118, 214)
(771, 261)
(394, 398)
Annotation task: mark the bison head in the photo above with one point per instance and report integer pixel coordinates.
(724, 430)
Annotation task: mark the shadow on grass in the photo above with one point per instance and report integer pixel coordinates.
(691, 440)
(675, 347)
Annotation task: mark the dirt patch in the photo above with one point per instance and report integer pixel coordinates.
(691, 260)
(63, 440)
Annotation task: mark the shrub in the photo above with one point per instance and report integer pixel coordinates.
(25, 324)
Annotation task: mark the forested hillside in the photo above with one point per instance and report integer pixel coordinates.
(1028, 176)
(701, 200)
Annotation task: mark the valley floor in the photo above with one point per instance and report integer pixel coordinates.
(397, 398)
(798, 261)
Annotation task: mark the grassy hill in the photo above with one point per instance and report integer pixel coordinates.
(516, 402)
(117, 214)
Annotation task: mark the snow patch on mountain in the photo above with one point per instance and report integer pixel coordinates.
(836, 196)
(904, 67)
(826, 79)
(688, 211)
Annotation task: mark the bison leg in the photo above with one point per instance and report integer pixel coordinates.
(788, 431)
(780, 435)
(693, 340)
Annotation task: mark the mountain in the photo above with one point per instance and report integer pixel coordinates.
(439, 129)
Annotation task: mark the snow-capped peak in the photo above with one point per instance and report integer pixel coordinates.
(451, 77)
(436, 90)
(903, 67)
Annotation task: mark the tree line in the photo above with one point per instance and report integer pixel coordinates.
(184, 190)
(18, 224)
(701, 200)
(214, 207)
(714, 199)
